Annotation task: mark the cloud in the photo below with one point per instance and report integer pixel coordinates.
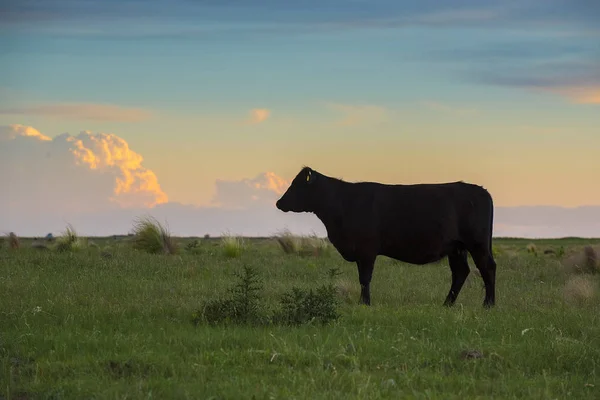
(264, 189)
(14, 131)
(258, 115)
(579, 95)
(84, 173)
(357, 114)
(93, 112)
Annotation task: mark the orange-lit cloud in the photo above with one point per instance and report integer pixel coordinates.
(258, 115)
(15, 130)
(358, 114)
(89, 171)
(105, 151)
(83, 111)
(580, 95)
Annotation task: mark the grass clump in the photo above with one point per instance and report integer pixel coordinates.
(150, 236)
(302, 245)
(314, 246)
(584, 262)
(579, 289)
(13, 241)
(289, 243)
(69, 241)
(532, 249)
(232, 246)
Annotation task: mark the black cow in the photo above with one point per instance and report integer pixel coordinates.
(417, 224)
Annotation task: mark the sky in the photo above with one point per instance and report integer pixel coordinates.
(201, 112)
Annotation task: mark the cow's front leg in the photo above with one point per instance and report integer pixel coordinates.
(365, 273)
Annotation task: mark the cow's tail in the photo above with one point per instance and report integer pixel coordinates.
(491, 232)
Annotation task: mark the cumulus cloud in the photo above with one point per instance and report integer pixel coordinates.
(258, 115)
(262, 190)
(93, 112)
(83, 173)
(357, 114)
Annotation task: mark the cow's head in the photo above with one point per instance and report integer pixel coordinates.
(302, 194)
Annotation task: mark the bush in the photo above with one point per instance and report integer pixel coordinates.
(298, 306)
(301, 306)
(242, 307)
(150, 236)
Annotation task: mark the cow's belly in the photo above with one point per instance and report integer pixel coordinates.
(416, 248)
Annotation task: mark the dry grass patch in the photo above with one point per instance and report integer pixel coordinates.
(583, 262)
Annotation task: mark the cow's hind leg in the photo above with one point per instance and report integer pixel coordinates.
(460, 271)
(487, 267)
(365, 272)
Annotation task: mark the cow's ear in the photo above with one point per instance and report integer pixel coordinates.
(310, 177)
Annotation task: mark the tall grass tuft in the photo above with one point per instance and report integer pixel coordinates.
(152, 237)
(69, 240)
(289, 243)
(314, 246)
(13, 241)
(311, 245)
(232, 246)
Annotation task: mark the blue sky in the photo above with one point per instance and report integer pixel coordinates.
(502, 93)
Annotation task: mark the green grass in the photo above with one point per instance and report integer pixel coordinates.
(78, 325)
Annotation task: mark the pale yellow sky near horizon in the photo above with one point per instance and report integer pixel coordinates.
(555, 163)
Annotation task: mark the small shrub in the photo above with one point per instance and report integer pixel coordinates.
(300, 306)
(13, 241)
(242, 307)
(150, 236)
(232, 246)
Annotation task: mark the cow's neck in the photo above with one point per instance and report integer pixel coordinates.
(330, 208)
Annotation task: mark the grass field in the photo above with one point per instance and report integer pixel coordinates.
(107, 321)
